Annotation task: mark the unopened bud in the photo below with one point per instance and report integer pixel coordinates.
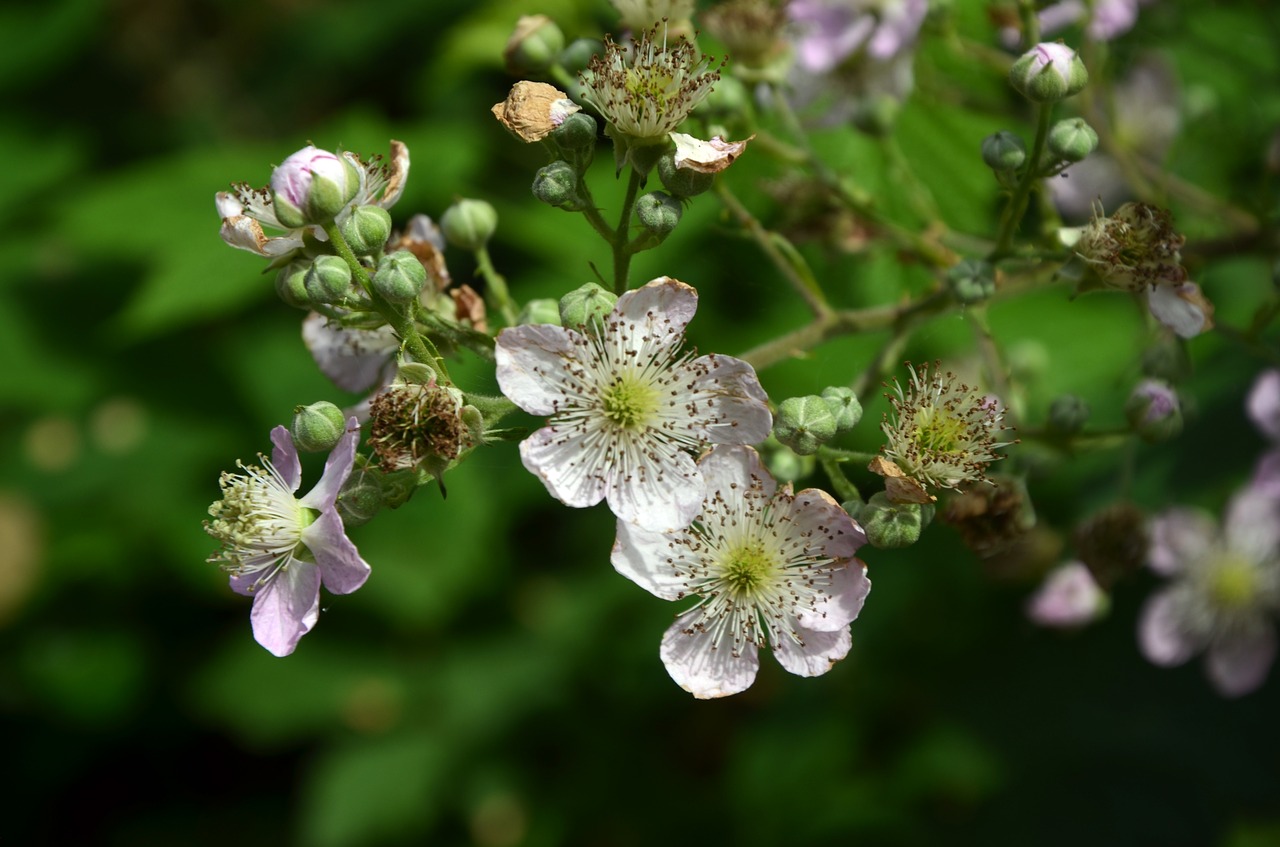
(312, 186)
(1072, 140)
(1153, 411)
(578, 132)
(1068, 414)
(1003, 151)
(533, 46)
(400, 277)
(544, 310)
(683, 182)
(804, 423)
(360, 497)
(469, 224)
(1049, 72)
(659, 213)
(367, 229)
(844, 406)
(891, 525)
(317, 428)
(971, 280)
(328, 280)
(291, 284)
(586, 305)
(556, 184)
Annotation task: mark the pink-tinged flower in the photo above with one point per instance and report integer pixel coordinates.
(1264, 409)
(830, 31)
(1068, 598)
(356, 360)
(1110, 18)
(1183, 308)
(245, 211)
(1225, 590)
(626, 406)
(769, 568)
(278, 547)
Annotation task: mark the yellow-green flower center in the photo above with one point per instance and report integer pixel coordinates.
(940, 431)
(1233, 583)
(628, 402)
(747, 569)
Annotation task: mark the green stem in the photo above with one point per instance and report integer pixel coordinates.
(621, 253)
(1017, 205)
(838, 455)
(495, 286)
(845, 490)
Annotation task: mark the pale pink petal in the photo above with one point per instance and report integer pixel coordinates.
(842, 602)
(1252, 525)
(652, 560)
(661, 491)
(536, 367)
(336, 470)
(1069, 597)
(818, 654)
(701, 667)
(1180, 537)
(1266, 474)
(1181, 308)
(341, 567)
(1163, 638)
(1263, 404)
(728, 394)
(829, 530)
(355, 360)
(286, 608)
(1240, 664)
(1112, 18)
(284, 457)
(566, 465)
(730, 470)
(661, 309)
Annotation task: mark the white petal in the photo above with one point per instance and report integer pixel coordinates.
(1179, 307)
(842, 603)
(1252, 526)
(398, 174)
(227, 204)
(565, 465)
(727, 393)
(244, 233)
(538, 368)
(662, 490)
(661, 309)
(1238, 665)
(653, 560)
(1180, 537)
(729, 470)
(1263, 404)
(356, 360)
(286, 608)
(1068, 597)
(708, 157)
(821, 650)
(828, 529)
(1163, 638)
(701, 667)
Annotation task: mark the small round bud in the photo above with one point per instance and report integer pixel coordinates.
(1153, 411)
(469, 224)
(659, 213)
(533, 46)
(367, 229)
(360, 497)
(971, 280)
(541, 311)
(312, 186)
(1068, 414)
(291, 284)
(400, 277)
(1167, 360)
(318, 427)
(577, 132)
(575, 57)
(786, 465)
(328, 280)
(1049, 72)
(804, 423)
(891, 525)
(587, 304)
(1003, 151)
(877, 115)
(1072, 140)
(683, 182)
(556, 184)
(844, 405)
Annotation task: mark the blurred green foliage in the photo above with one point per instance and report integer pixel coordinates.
(496, 683)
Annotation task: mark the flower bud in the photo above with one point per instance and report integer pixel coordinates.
(659, 213)
(556, 184)
(683, 182)
(587, 304)
(971, 280)
(785, 465)
(291, 284)
(533, 46)
(400, 277)
(469, 224)
(367, 229)
(1003, 151)
(312, 186)
(1049, 72)
(544, 310)
(318, 427)
(891, 525)
(577, 132)
(804, 423)
(1068, 414)
(1168, 360)
(844, 405)
(328, 280)
(1072, 140)
(1153, 411)
(876, 115)
(579, 53)
(361, 497)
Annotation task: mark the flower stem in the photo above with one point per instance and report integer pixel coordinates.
(495, 286)
(845, 490)
(1017, 205)
(621, 252)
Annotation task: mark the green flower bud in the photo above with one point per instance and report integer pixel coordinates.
(317, 428)
(578, 132)
(891, 525)
(1153, 411)
(804, 423)
(658, 212)
(1049, 72)
(1028, 360)
(785, 465)
(1068, 414)
(291, 285)
(971, 280)
(328, 280)
(578, 54)
(682, 182)
(729, 100)
(534, 45)
(587, 304)
(367, 229)
(361, 497)
(1003, 151)
(400, 277)
(877, 115)
(312, 186)
(540, 311)
(844, 405)
(556, 184)
(1072, 140)
(469, 224)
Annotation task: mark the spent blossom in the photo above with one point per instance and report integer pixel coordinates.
(626, 405)
(1225, 590)
(279, 547)
(770, 568)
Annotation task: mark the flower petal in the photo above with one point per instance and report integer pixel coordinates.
(652, 560)
(285, 458)
(537, 369)
(336, 470)
(397, 174)
(730, 470)
(659, 490)
(841, 604)
(1180, 537)
(707, 157)
(341, 567)
(1182, 308)
(1068, 597)
(1238, 665)
(728, 396)
(1266, 474)
(831, 533)
(818, 654)
(356, 360)
(287, 607)
(662, 308)
(227, 204)
(1263, 404)
(1161, 634)
(244, 233)
(701, 667)
(1252, 525)
(565, 465)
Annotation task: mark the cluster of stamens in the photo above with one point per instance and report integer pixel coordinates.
(258, 521)
(412, 422)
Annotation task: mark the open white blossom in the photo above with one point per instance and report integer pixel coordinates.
(770, 568)
(626, 404)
